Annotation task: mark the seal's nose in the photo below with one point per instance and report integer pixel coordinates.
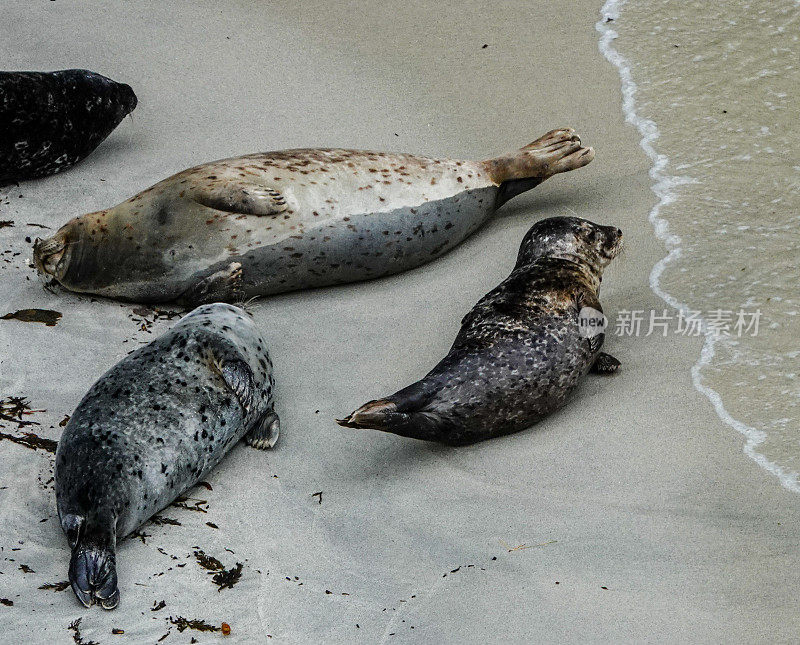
(47, 254)
(128, 98)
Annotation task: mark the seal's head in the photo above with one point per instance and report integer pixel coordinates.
(75, 257)
(51, 256)
(126, 98)
(109, 99)
(574, 239)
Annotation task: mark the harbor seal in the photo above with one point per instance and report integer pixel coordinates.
(50, 121)
(521, 350)
(280, 221)
(154, 425)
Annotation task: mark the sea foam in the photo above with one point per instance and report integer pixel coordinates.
(666, 186)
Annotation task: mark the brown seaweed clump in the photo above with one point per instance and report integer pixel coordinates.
(46, 316)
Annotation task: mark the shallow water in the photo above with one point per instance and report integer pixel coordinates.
(712, 86)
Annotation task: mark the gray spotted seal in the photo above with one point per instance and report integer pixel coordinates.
(521, 350)
(152, 427)
(50, 121)
(279, 221)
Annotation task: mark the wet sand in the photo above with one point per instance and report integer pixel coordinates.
(631, 515)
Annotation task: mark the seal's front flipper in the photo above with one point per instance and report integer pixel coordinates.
(242, 198)
(555, 152)
(224, 285)
(238, 376)
(605, 364)
(72, 525)
(264, 433)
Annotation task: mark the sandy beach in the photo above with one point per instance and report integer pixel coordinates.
(632, 515)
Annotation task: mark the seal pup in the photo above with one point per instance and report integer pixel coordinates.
(280, 221)
(153, 426)
(50, 121)
(521, 350)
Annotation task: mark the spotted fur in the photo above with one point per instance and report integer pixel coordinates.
(279, 221)
(50, 121)
(154, 425)
(519, 353)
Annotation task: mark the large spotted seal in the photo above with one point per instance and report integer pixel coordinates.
(279, 221)
(153, 426)
(520, 351)
(49, 121)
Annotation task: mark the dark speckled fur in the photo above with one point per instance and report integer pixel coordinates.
(152, 427)
(50, 121)
(519, 353)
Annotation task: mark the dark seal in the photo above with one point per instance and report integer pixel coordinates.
(50, 121)
(152, 427)
(521, 350)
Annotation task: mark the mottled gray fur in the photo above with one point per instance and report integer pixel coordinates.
(154, 425)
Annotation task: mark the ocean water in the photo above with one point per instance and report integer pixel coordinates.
(713, 88)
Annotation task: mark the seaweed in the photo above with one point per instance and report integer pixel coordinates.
(146, 317)
(6, 222)
(160, 520)
(227, 578)
(30, 440)
(223, 578)
(75, 628)
(46, 316)
(157, 606)
(55, 586)
(6, 602)
(180, 502)
(12, 408)
(200, 625)
(139, 534)
(208, 561)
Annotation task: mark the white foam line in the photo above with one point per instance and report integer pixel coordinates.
(664, 187)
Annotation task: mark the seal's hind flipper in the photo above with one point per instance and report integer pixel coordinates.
(424, 425)
(93, 565)
(605, 364)
(264, 433)
(375, 415)
(385, 415)
(555, 152)
(406, 413)
(93, 576)
(242, 198)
